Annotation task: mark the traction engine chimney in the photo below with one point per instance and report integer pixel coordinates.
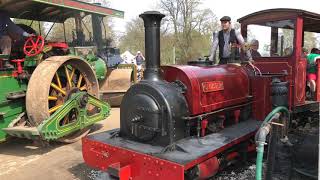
(152, 21)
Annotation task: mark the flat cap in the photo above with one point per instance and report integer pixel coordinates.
(225, 18)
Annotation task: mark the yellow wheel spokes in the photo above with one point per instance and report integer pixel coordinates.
(63, 84)
(52, 98)
(58, 80)
(83, 88)
(53, 109)
(56, 87)
(72, 73)
(68, 76)
(79, 81)
(60, 93)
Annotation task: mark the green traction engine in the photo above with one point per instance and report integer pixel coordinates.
(51, 94)
(51, 99)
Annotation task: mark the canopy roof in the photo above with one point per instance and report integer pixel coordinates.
(53, 10)
(311, 20)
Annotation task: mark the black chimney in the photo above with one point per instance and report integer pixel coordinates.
(152, 21)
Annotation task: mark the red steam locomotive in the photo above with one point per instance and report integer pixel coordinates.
(190, 121)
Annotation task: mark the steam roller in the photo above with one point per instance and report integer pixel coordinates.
(61, 101)
(117, 82)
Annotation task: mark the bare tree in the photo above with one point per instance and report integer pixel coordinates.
(188, 22)
(310, 40)
(133, 40)
(185, 32)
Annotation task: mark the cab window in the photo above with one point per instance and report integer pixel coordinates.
(276, 38)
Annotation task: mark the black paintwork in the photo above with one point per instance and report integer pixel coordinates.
(279, 93)
(152, 21)
(152, 111)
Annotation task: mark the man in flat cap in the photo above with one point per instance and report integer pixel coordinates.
(229, 42)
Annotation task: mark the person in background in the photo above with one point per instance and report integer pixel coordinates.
(139, 58)
(287, 51)
(314, 51)
(254, 48)
(304, 52)
(6, 27)
(312, 68)
(228, 40)
(140, 63)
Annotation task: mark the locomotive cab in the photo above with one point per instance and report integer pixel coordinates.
(282, 38)
(284, 34)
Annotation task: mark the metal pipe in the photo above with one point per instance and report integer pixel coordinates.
(79, 30)
(31, 23)
(281, 45)
(205, 115)
(97, 30)
(105, 31)
(49, 31)
(64, 32)
(198, 127)
(152, 21)
(262, 133)
(39, 26)
(87, 29)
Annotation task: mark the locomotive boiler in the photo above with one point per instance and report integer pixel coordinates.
(174, 102)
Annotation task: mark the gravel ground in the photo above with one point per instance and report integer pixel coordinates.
(244, 173)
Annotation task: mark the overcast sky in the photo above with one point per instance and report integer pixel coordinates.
(234, 8)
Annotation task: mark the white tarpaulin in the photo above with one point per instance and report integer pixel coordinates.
(128, 58)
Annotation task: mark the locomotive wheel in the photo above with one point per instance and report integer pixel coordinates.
(52, 83)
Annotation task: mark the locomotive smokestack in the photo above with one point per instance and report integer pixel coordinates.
(152, 21)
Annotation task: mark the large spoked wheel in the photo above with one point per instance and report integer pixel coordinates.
(52, 84)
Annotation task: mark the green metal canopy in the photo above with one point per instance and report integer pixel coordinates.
(53, 10)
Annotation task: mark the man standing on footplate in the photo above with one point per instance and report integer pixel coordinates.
(229, 42)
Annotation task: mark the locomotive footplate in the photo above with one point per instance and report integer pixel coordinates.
(109, 152)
